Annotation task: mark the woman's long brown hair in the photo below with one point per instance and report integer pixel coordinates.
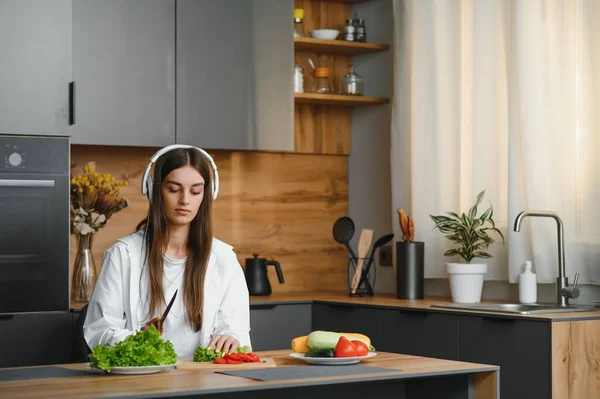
(199, 240)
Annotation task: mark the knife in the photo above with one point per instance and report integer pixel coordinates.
(168, 309)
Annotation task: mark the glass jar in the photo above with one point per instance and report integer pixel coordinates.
(353, 83)
(321, 80)
(298, 78)
(298, 26)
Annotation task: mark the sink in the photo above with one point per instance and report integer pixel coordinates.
(518, 308)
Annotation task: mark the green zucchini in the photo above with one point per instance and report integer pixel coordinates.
(319, 353)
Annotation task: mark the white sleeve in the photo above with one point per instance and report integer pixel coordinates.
(233, 316)
(105, 320)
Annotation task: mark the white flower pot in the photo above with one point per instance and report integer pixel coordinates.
(466, 281)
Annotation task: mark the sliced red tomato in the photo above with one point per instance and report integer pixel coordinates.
(230, 361)
(232, 356)
(254, 357)
(220, 360)
(361, 348)
(344, 348)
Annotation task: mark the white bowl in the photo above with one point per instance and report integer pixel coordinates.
(325, 34)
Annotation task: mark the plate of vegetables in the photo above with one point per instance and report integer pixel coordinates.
(331, 348)
(144, 352)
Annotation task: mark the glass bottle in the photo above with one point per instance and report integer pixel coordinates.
(298, 78)
(349, 31)
(360, 33)
(321, 80)
(353, 83)
(298, 26)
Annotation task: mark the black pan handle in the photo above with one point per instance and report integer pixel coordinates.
(71, 103)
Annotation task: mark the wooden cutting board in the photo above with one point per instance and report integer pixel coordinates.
(191, 365)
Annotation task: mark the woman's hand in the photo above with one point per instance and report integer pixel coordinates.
(156, 322)
(225, 343)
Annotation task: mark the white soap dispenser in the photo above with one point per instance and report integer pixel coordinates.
(527, 285)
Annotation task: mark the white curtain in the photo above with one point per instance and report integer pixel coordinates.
(500, 95)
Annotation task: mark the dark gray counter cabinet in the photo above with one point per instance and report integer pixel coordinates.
(35, 339)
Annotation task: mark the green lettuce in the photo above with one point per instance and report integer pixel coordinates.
(144, 348)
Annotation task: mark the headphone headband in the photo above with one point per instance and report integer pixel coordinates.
(147, 178)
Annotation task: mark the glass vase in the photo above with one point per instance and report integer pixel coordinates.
(84, 269)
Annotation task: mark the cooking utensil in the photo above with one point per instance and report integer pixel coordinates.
(343, 231)
(366, 236)
(381, 241)
(168, 309)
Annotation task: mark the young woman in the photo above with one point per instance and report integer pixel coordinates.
(173, 249)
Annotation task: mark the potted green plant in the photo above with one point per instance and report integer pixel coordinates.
(471, 234)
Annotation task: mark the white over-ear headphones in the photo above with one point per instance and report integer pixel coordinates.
(147, 178)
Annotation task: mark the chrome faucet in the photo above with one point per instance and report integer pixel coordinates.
(563, 291)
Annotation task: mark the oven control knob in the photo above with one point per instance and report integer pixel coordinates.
(15, 159)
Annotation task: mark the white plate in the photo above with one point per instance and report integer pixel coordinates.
(137, 369)
(332, 361)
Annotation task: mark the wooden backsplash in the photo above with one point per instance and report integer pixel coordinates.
(279, 205)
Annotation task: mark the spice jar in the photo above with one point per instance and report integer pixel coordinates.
(349, 31)
(298, 78)
(298, 18)
(353, 83)
(360, 30)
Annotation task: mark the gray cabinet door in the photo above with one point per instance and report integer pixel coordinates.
(349, 319)
(420, 333)
(35, 66)
(234, 69)
(274, 326)
(124, 72)
(35, 339)
(522, 349)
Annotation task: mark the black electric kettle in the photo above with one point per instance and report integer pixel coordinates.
(256, 275)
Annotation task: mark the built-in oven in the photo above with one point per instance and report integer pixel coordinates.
(34, 223)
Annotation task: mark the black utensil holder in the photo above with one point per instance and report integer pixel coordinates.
(410, 272)
(365, 288)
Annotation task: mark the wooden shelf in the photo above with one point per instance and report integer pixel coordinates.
(340, 47)
(337, 99)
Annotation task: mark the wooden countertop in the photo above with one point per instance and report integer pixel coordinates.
(390, 301)
(194, 382)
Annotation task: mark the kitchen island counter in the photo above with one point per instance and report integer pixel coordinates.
(409, 377)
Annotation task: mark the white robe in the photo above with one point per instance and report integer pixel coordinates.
(118, 307)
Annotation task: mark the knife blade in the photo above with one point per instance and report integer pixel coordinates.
(168, 309)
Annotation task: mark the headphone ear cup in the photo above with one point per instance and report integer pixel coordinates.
(149, 185)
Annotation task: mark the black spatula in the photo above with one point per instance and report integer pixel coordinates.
(343, 230)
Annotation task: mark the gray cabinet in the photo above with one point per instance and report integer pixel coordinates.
(522, 349)
(273, 326)
(35, 339)
(420, 333)
(35, 66)
(124, 72)
(348, 318)
(234, 69)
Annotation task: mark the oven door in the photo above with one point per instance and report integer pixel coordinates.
(34, 243)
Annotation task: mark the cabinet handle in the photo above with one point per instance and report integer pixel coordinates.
(263, 306)
(71, 103)
(6, 316)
